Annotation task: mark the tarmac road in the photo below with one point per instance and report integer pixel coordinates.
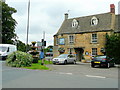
(86, 69)
(61, 76)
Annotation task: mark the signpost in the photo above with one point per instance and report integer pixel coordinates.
(39, 45)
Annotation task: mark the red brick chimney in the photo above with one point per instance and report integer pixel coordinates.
(112, 8)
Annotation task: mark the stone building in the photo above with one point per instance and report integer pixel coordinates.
(85, 36)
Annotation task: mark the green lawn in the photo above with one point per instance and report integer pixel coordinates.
(38, 66)
(45, 62)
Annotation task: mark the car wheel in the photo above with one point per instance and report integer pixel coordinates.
(65, 62)
(108, 65)
(92, 65)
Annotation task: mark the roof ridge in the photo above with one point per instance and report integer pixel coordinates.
(89, 15)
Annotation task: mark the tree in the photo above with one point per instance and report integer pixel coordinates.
(21, 46)
(49, 48)
(8, 24)
(113, 46)
(0, 22)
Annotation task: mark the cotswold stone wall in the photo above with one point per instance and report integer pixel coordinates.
(81, 41)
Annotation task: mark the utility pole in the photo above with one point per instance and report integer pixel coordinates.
(28, 25)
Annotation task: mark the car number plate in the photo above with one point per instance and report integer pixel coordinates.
(96, 62)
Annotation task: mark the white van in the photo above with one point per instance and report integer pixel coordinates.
(6, 49)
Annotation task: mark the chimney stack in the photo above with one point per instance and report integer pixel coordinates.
(66, 16)
(112, 8)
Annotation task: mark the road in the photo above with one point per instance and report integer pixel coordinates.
(61, 76)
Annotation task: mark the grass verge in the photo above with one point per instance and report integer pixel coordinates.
(38, 66)
(45, 62)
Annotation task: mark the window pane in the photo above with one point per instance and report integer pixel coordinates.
(94, 51)
(61, 41)
(71, 39)
(94, 38)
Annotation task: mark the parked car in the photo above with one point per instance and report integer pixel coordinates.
(102, 61)
(64, 59)
(6, 49)
(49, 56)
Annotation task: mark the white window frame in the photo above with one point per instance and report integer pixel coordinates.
(74, 23)
(94, 39)
(94, 51)
(71, 41)
(94, 21)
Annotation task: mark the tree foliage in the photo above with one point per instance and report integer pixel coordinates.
(21, 46)
(49, 48)
(113, 46)
(8, 27)
(8, 24)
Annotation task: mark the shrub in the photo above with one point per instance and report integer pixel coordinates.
(19, 59)
(113, 46)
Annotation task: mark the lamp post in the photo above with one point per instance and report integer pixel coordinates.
(43, 47)
(28, 25)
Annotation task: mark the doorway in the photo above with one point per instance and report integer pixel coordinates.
(79, 53)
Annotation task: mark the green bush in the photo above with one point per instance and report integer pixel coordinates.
(113, 46)
(19, 59)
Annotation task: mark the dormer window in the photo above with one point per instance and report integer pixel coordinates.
(74, 23)
(94, 21)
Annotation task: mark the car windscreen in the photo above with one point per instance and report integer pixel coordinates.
(100, 57)
(71, 56)
(3, 49)
(63, 56)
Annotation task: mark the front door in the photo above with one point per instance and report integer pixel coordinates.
(79, 53)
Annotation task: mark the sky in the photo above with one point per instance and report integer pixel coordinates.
(48, 15)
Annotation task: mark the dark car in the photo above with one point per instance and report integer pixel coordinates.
(102, 61)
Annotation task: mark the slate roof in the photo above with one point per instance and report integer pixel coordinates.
(104, 24)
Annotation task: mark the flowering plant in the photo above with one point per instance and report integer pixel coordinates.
(61, 50)
(19, 59)
(33, 43)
